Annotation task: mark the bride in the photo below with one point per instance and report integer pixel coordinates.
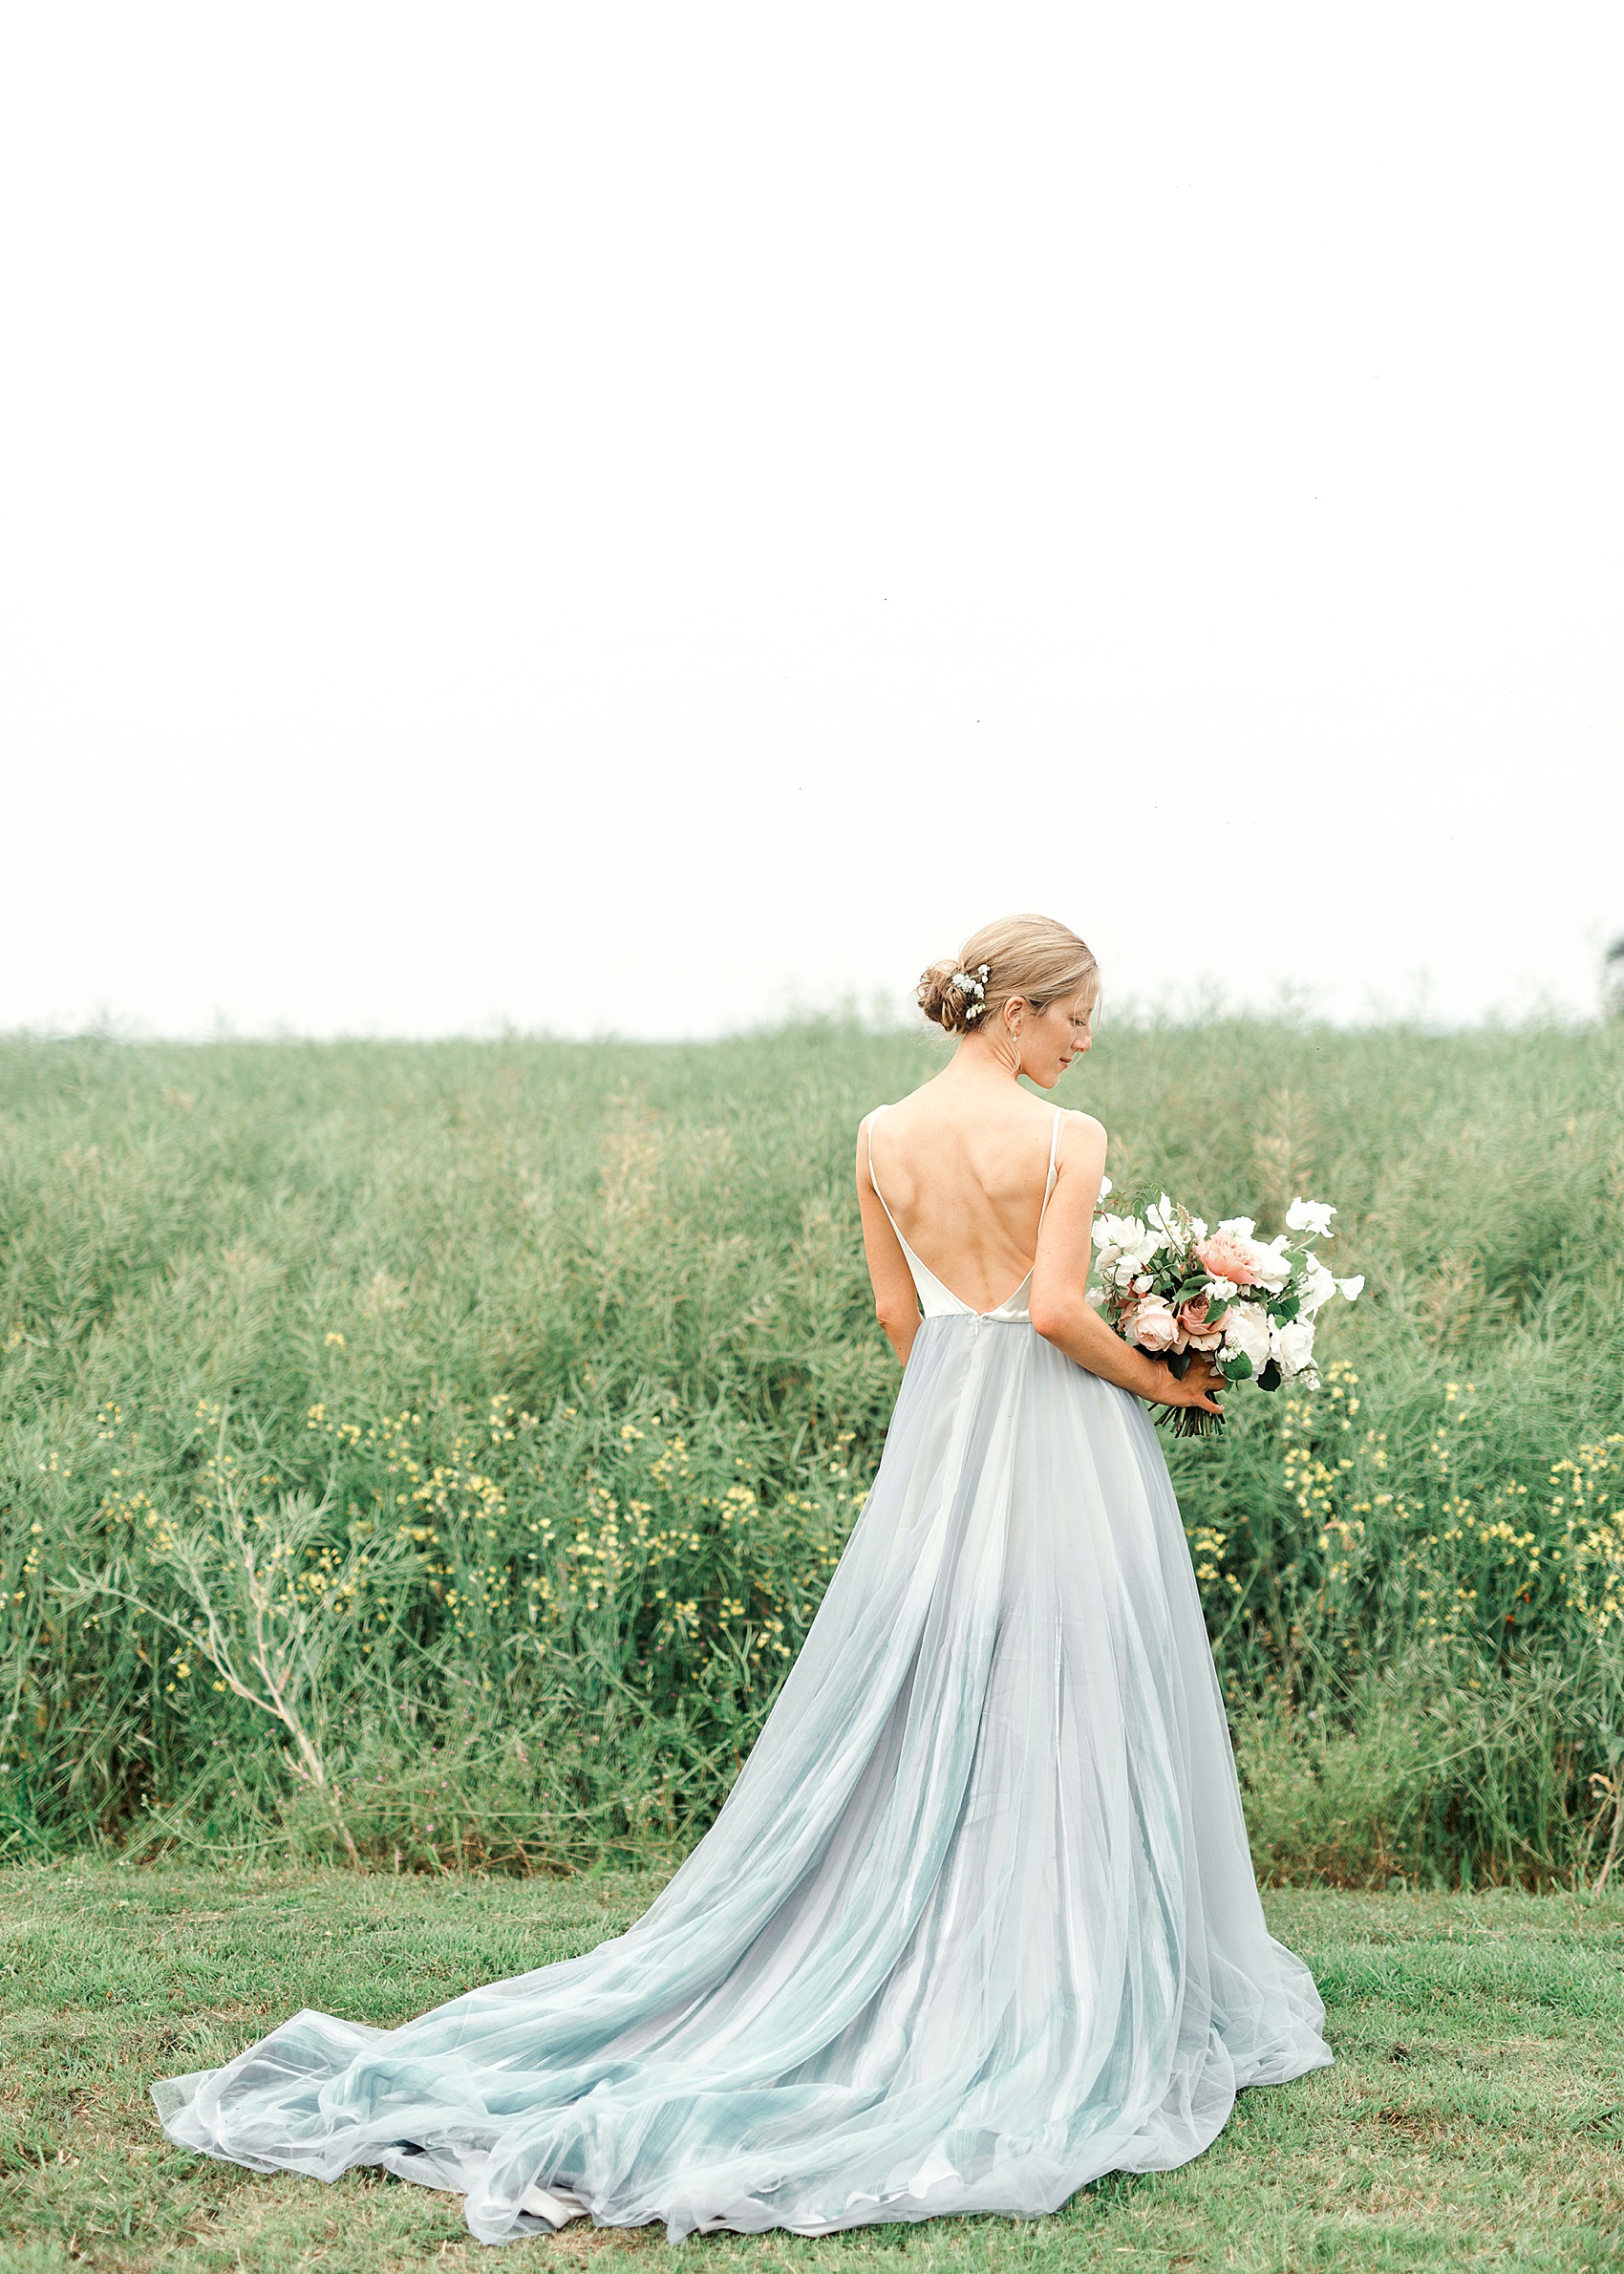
(977, 1922)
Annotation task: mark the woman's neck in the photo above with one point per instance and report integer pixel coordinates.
(975, 1065)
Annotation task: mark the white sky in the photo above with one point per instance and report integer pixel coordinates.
(627, 517)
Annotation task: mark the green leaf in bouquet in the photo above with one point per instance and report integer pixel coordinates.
(1285, 1309)
(1176, 1363)
(1269, 1378)
(1237, 1368)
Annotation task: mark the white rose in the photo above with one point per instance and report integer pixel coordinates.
(1319, 1287)
(1313, 1216)
(1238, 1227)
(1351, 1289)
(1246, 1334)
(1291, 1347)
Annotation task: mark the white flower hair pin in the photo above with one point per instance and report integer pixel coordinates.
(974, 984)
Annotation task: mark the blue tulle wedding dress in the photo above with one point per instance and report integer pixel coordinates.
(976, 1924)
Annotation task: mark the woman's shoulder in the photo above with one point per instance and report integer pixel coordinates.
(1080, 1138)
(904, 1107)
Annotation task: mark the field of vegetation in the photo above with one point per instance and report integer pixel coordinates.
(431, 1455)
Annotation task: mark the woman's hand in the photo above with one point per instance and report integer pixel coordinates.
(1200, 1387)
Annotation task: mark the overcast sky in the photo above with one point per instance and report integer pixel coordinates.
(635, 517)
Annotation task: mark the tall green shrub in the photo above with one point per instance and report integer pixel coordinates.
(529, 1389)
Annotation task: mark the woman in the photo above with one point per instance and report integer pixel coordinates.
(977, 1922)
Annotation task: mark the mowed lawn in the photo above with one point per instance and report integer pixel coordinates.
(1475, 2115)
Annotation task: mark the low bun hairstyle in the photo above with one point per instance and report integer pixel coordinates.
(1030, 956)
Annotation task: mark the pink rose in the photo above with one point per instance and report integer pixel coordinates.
(1200, 1332)
(1152, 1323)
(1227, 1259)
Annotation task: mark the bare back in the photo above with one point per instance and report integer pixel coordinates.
(965, 1178)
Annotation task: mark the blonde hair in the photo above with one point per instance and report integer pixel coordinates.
(1031, 957)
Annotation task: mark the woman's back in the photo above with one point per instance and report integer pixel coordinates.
(964, 1176)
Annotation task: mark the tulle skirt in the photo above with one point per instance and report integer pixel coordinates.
(976, 1924)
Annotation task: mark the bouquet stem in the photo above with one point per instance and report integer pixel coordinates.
(1194, 1421)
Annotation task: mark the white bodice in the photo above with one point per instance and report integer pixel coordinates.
(938, 1301)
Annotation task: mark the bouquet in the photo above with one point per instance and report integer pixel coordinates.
(1175, 1290)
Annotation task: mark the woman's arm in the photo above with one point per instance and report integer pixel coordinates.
(896, 1299)
(1061, 1311)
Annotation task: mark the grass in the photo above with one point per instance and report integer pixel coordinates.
(436, 1452)
(1475, 2115)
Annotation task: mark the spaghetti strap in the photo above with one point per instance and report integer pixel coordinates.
(1049, 1185)
(868, 1138)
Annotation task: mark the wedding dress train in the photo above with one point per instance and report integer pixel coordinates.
(976, 1923)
